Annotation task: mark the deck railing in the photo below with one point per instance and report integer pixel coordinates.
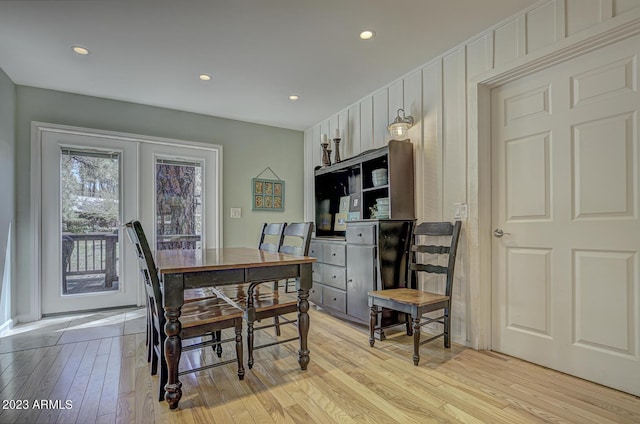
(97, 253)
(88, 254)
(178, 241)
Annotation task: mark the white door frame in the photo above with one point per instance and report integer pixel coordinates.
(479, 231)
(37, 130)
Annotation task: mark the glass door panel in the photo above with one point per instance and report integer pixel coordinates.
(90, 194)
(178, 204)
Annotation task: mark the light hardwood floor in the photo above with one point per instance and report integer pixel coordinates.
(106, 380)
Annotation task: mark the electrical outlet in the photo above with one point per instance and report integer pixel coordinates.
(460, 211)
(236, 212)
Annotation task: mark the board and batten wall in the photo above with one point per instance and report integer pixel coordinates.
(443, 96)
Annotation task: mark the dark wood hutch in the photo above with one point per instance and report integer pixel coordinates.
(360, 248)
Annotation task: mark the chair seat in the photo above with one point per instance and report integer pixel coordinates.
(264, 297)
(406, 296)
(194, 295)
(208, 311)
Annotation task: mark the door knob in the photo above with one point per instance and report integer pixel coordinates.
(498, 233)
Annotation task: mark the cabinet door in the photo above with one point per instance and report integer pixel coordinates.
(361, 279)
(315, 250)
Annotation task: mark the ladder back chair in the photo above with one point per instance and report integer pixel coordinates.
(260, 300)
(199, 318)
(271, 236)
(414, 302)
(190, 295)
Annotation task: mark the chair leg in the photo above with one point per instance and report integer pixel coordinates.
(250, 343)
(154, 362)
(217, 337)
(153, 342)
(149, 332)
(447, 333)
(238, 329)
(276, 321)
(416, 340)
(373, 314)
(407, 323)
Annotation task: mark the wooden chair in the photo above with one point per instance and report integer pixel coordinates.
(199, 318)
(271, 239)
(271, 236)
(414, 302)
(260, 300)
(190, 295)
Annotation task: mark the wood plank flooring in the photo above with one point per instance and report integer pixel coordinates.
(107, 380)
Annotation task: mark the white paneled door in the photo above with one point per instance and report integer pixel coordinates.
(566, 249)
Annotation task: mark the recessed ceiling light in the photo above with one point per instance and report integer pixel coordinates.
(367, 35)
(205, 77)
(294, 97)
(80, 50)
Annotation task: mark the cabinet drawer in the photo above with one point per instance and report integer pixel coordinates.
(316, 272)
(334, 276)
(315, 294)
(334, 299)
(361, 234)
(315, 250)
(334, 254)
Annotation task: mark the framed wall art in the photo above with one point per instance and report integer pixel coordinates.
(267, 194)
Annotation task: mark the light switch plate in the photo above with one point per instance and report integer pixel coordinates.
(236, 212)
(461, 211)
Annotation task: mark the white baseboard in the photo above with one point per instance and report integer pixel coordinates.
(6, 326)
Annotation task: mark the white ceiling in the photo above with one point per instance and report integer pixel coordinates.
(258, 51)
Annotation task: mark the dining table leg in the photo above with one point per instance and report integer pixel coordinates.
(304, 284)
(173, 300)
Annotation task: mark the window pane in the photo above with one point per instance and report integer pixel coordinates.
(178, 205)
(90, 192)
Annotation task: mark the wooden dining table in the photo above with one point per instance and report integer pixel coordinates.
(190, 268)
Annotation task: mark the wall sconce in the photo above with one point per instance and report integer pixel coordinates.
(399, 128)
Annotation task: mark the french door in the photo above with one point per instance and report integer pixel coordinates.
(86, 196)
(178, 190)
(91, 184)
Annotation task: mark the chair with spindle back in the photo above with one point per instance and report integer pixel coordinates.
(414, 302)
(199, 318)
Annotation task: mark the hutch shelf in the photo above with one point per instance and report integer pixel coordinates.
(364, 218)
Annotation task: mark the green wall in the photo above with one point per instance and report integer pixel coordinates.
(7, 194)
(247, 150)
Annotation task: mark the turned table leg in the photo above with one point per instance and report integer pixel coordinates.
(303, 284)
(173, 299)
(303, 327)
(172, 351)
